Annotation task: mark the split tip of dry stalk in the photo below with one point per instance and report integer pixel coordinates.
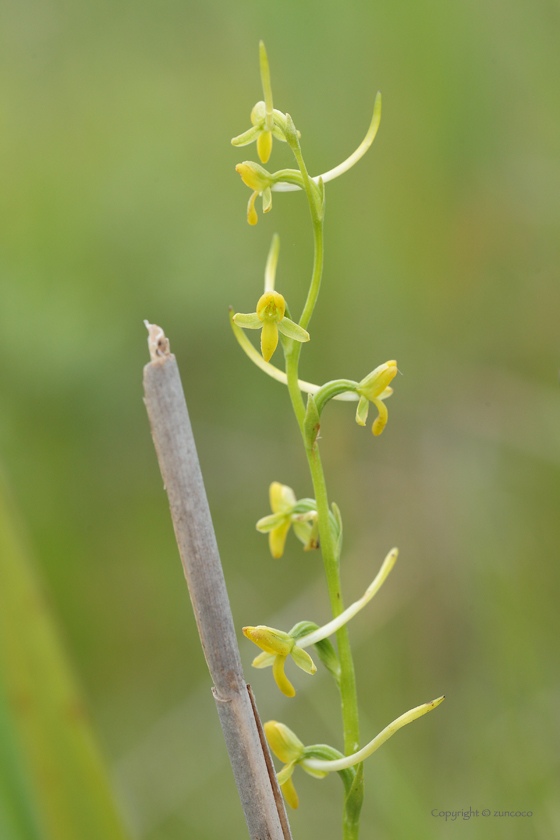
(158, 343)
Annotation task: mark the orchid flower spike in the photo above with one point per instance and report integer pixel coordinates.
(375, 388)
(277, 645)
(267, 121)
(320, 759)
(288, 511)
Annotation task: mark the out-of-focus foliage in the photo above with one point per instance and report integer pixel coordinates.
(53, 784)
(120, 202)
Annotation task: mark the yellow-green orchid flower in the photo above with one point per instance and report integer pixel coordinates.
(375, 388)
(260, 181)
(271, 319)
(286, 746)
(267, 121)
(288, 511)
(271, 308)
(320, 759)
(276, 647)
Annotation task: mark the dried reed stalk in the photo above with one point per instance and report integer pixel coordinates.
(171, 431)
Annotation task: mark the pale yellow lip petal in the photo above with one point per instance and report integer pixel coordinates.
(282, 680)
(380, 421)
(264, 146)
(252, 217)
(290, 794)
(269, 339)
(277, 539)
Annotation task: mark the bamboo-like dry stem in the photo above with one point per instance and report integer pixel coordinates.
(171, 431)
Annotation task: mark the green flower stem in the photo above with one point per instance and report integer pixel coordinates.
(288, 176)
(348, 694)
(292, 363)
(348, 681)
(330, 390)
(317, 221)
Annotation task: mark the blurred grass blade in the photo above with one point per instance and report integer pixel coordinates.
(54, 785)
(18, 817)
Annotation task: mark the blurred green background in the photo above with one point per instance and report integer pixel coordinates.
(119, 202)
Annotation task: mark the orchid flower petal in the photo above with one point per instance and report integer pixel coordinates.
(282, 680)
